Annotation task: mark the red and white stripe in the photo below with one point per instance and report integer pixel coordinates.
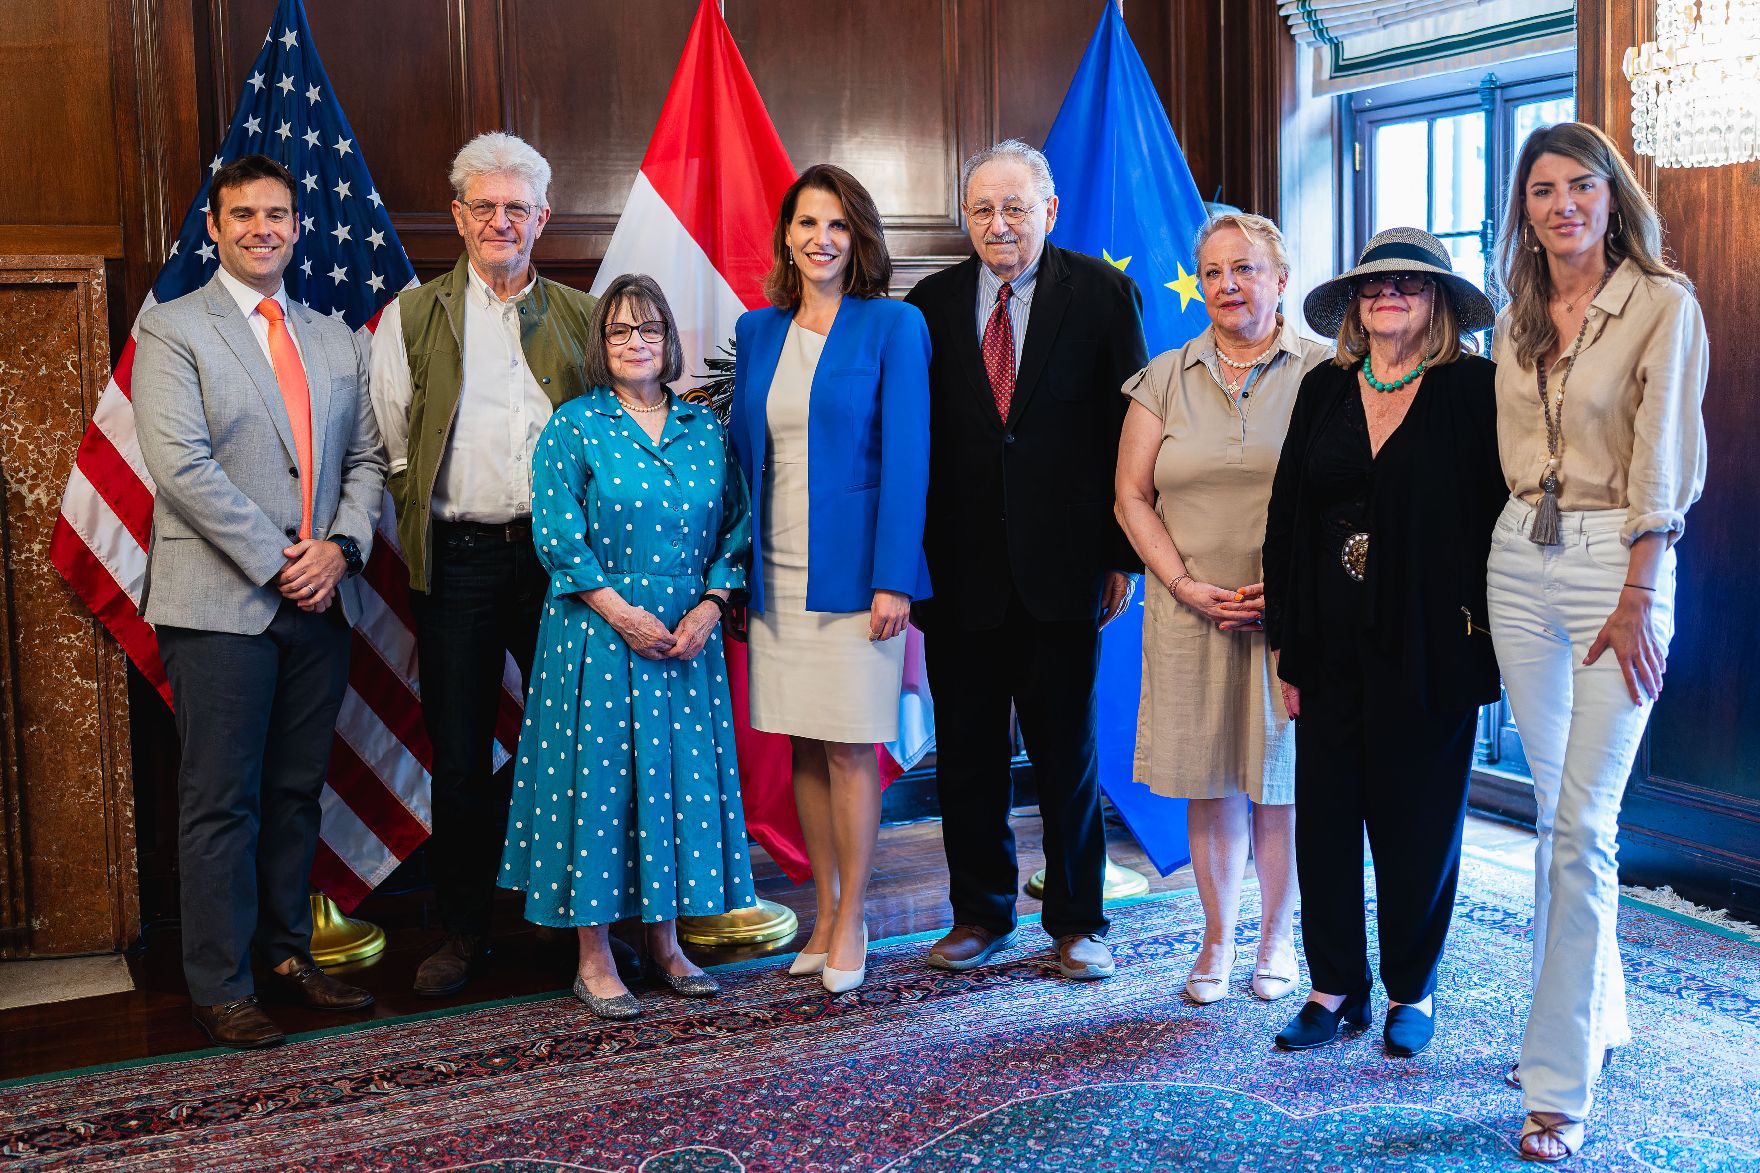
(375, 801)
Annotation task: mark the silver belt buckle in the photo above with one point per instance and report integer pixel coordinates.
(1354, 555)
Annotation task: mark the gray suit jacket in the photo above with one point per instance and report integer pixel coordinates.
(213, 430)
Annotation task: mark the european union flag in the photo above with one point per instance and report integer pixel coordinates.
(1126, 195)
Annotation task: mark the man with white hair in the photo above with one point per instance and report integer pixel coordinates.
(1032, 345)
(466, 370)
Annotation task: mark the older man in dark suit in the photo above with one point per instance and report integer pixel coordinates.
(1032, 344)
(254, 422)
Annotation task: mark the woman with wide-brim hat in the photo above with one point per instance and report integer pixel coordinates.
(1375, 545)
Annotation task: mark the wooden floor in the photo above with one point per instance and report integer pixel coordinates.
(908, 895)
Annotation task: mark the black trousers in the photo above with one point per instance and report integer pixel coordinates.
(1047, 670)
(485, 596)
(256, 715)
(1366, 758)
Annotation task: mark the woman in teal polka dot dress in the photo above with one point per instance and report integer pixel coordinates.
(626, 790)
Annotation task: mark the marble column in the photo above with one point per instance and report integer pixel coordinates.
(67, 849)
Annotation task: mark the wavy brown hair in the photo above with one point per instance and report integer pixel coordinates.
(870, 265)
(1634, 233)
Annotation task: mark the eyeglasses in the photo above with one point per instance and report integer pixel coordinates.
(1014, 214)
(1370, 288)
(517, 211)
(617, 333)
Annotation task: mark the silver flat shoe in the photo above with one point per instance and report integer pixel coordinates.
(621, 1008)
(691, 985)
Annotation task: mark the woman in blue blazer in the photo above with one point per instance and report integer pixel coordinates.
(831, 425)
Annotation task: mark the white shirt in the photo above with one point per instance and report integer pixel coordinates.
(248, 300)
(486, 473)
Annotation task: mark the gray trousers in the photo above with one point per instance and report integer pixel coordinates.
(255, 717)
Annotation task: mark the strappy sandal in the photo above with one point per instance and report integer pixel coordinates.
(1568, 1133)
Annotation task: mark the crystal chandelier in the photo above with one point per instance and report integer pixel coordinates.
(1696, 87)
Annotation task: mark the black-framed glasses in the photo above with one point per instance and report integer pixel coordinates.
(617, 333)
(518, 211)
(1013, 214)
(1410, 284)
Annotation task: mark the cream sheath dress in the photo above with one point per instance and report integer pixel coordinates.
(1211, 722)
(813, 674)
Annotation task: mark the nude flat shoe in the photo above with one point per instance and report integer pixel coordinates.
(1205, 988)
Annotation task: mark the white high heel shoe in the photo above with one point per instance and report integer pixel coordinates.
(1205, 988)
(807, 963)
(839, 981)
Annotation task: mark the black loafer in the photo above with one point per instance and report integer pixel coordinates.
(1315, 1026)
(1408, 1030)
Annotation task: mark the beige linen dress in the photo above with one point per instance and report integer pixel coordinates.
(1211, 722)
(812, 673)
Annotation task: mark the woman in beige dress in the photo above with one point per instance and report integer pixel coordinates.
(830, 422)
(1195, 462)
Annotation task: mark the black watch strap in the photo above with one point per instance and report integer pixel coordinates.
(351, 553)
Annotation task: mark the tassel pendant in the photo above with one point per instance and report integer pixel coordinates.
(1545, 531)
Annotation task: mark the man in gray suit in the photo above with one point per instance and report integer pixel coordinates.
(254, 420)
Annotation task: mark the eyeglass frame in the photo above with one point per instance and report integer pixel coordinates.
(489, 207)
(1382, 281)
(635, 331)
(984, 217)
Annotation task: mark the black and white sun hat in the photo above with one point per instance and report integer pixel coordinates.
(1399, 250)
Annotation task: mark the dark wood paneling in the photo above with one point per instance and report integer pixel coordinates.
(1692, 815)
(57, 120)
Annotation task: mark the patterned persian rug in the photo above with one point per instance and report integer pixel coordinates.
(1005, 1068)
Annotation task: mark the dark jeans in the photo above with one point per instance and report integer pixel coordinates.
(486, 595)
(1367, 759)
(1047, 671)
(256, 715)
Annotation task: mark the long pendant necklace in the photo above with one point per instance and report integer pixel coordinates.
(1545, 530)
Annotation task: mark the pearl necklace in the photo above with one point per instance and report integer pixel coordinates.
(628, 406)
(1234, 387)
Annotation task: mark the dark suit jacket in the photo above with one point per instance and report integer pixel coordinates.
(1026, 506)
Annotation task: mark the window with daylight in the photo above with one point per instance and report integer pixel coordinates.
(1437, 154)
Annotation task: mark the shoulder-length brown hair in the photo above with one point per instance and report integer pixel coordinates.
(870, 265)
(1634, 232)
(642, 294)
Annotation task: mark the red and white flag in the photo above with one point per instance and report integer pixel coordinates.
(698, 220)
(348, 263)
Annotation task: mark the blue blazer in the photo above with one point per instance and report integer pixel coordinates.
(867, 449)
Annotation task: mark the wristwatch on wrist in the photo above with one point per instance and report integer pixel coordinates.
(351, 554)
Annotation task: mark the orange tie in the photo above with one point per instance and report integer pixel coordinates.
(290, 376)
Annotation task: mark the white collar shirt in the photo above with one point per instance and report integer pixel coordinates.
(248, 300)
(486, 474)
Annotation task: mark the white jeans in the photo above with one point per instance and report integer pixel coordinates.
(1580, 731)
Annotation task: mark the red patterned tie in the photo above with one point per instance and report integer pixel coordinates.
(999, 351)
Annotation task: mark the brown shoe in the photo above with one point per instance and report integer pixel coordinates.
(967, 947)
(240, 1024)
(449, 967)
(310, 986)
(1084, 957)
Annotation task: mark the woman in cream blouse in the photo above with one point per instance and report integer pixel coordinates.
(1195, 461)
(1601, 365)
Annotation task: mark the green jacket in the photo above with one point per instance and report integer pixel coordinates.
(552, 332)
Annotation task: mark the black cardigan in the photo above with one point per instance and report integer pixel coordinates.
(1437, 494)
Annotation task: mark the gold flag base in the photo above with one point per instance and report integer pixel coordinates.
(761, 924)
(1121, 882)
(339, 939)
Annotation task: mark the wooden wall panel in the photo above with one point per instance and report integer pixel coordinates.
(58, 123)
(1692, 815)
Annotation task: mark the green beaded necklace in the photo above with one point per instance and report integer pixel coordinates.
(1369, 376)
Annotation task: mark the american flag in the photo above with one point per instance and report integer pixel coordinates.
(347, 263)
